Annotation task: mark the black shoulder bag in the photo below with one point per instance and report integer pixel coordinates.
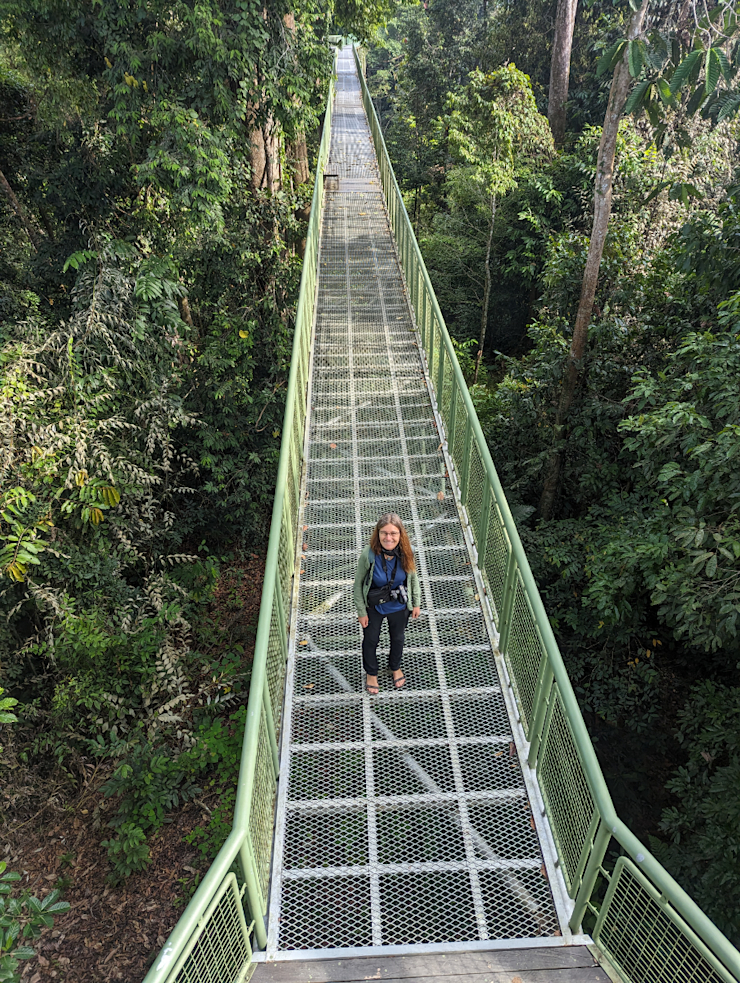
(381, 595)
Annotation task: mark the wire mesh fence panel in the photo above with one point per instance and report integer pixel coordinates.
(262, 816)
(275, 674)
(476, 483)
(567, 797)
(220, 949)
(646, 940)
(494, 560)
(523, 653)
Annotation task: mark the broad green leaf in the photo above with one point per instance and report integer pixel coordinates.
(682, 72)
(657, 52)
(730, 105)
(664, 91)
(635, 57)
(652, 109)
(711, 567)
(24, 952)
(696, 100)
(712, 70)
(610, 57)
(723, 62)
(637, 97)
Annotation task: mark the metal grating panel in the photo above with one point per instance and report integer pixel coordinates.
(219, 949)
(568, 800)
(643, 941)
(404, 818)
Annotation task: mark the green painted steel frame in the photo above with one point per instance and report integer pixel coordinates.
(246, 852)
(593, 819)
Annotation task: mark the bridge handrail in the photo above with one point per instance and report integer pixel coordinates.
(545, 697)
(227, 952)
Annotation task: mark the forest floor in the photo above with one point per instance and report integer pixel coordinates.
(115, 932)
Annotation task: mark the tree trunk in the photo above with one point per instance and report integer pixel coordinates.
(602, 210)
(298, 155)
(272, 155)
(486, 291)
(20, 211)
(185, 312)
(565, 20)
(257, 157)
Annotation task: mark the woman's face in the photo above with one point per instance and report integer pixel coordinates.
(389, 537)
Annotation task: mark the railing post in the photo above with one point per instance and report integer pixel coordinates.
(453, 415)
(430, 352)
(598, 850)
(441, 372)
(270, 723)
(465, 476)
(413, 277)
(507, 604)
(254, 891)
(542, 692)
(481, 533)
(425, 310)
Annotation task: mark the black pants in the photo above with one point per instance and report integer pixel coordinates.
(371, 636)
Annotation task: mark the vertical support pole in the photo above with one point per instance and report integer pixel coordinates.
(270, 722)
(588, 882)
(410, 275)
(507, 606)
(541, 703)
(430, 350)
(254, 893)
(441, 371)
(453, 417)
(425, 311)
(481, 533)
(465, 476)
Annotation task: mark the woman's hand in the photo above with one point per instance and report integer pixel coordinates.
(364, 621)
(416, 612)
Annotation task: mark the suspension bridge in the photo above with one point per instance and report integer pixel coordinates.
(457, 828)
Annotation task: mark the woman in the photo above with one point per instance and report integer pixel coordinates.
(386, 586)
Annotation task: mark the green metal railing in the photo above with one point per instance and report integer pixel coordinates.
(646, 925)
(211, 941)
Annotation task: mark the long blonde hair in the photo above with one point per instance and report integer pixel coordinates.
(404, 544)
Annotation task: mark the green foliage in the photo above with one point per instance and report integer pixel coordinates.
(6, 705)
(221, 743)
(704, 843)
(151, 781)
(22, 918)
(494, 125)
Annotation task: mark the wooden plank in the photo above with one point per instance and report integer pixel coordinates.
(593, 975)
(462, 967)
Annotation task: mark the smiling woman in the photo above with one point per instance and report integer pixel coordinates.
(386, 586)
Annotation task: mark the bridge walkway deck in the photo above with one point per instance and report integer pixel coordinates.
(406, 819)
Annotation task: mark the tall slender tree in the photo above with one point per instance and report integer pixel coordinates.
(494, 126)
(565, 20)
(603, 184)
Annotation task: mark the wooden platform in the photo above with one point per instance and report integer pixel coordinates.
(571, 964)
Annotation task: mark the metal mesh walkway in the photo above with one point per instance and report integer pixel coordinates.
(405, 818)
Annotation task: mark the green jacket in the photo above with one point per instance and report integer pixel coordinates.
(364, 579)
